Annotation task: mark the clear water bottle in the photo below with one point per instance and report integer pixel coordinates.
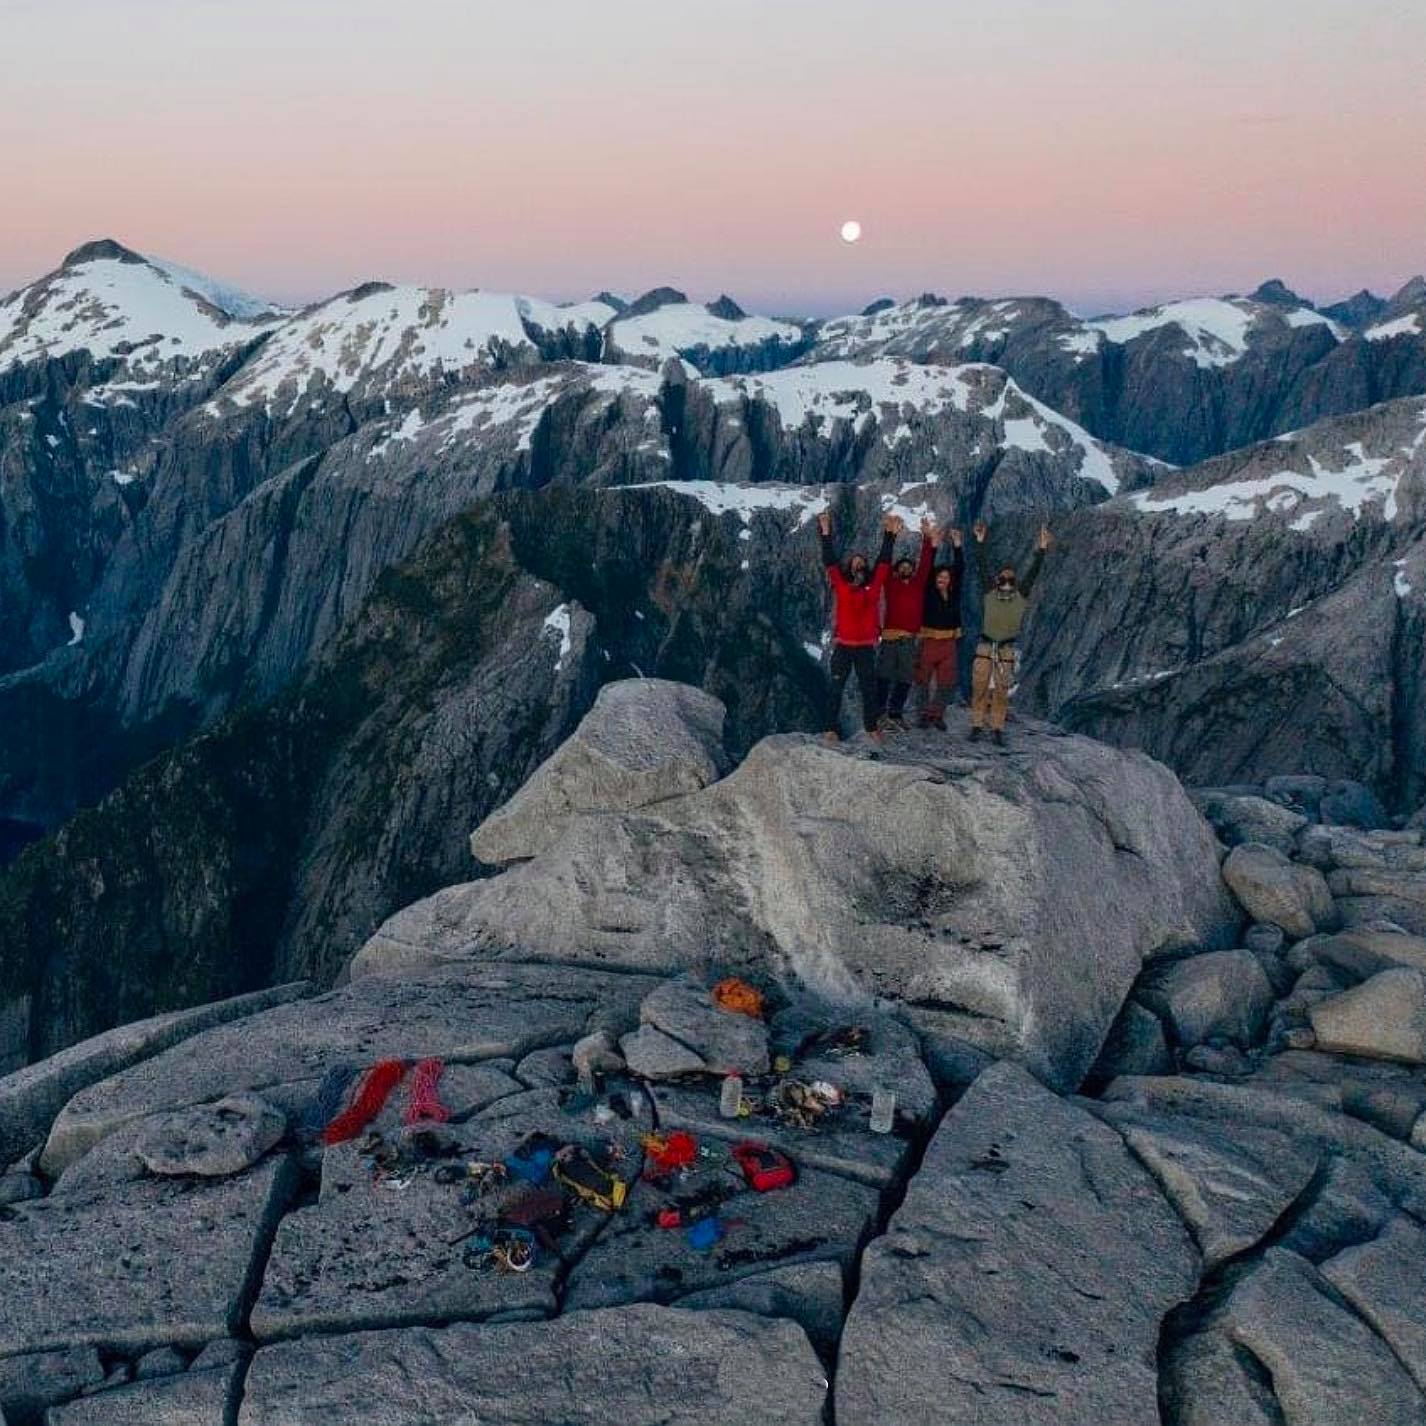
(730, 1101)
(883, 1110)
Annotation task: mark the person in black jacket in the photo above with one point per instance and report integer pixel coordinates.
(938, 661)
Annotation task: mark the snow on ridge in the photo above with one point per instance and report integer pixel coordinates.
(520, 404)
(404, 332)
(684, 326)
(1311, 317)
(1399, 581)
(559, 317)
(1216, 327)
(226, 298)
(835, 389)
(76, 629)
(112, 308)
(1406, 326)
(1363, 480)
(723, 497)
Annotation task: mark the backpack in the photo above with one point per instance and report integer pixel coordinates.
(588, 1181)
(764, 1167)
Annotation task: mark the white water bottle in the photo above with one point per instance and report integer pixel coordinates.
(730, 1100)
(883, 1110)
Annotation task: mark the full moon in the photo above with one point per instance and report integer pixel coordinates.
(851, 230)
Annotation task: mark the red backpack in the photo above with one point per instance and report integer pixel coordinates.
(764, 1167)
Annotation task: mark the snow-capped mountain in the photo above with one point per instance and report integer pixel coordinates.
(714, 337)
(198, 490)
(111, 303)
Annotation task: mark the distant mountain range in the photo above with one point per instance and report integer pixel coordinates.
(276, 586)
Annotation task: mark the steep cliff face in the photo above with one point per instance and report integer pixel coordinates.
(1259, 615)
(258, 525)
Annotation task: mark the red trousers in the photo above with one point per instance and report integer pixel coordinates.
(937, 672)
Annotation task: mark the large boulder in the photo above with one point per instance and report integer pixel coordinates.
(1221, 995)
(1367, 894)
(1272, 888)
(211, 1140)
(196, 1398)
(725, 1041)
(1239, 819)
(1230, 1184)
(1382, 1280)
(1326, 1365)
(644, 741)
(31, 1097)
(1023, 1280)
(1008, 900)
(1383, 1017)
(639, 1366)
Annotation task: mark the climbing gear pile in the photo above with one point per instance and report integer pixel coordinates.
(801, 1105)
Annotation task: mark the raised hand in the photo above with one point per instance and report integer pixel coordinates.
(824, 523)
(928, 527)
(980, 530)
(1046, 539)
(956, 536)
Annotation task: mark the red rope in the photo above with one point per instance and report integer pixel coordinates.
(425, 1105)
(372, 1094)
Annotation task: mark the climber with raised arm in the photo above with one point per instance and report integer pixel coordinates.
(856, 622)
(896, 655)
(938, 662)
(1006, 599)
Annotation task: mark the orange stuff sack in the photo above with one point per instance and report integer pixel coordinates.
(739, 997)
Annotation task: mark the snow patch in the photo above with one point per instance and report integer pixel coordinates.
(1360, 482)
(76, 629)
(1216, 327)
(1406, 326)
(557, 622)
(745, 501)
(1400, 582)
(686, 326)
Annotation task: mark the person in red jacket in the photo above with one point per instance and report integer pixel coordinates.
(896, 658)
(856, 623)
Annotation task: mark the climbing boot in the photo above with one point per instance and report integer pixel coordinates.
(975, 734)
(999, 738)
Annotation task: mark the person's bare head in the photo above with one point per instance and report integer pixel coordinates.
(904, 569)
(857, 569)
(943, 580)
(1005, 579)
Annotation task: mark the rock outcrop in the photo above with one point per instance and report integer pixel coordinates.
(941, 1330)
(642, 742)
(1009, 901)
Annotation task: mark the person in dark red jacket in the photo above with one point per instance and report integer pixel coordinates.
(896, 658)
(856, 623)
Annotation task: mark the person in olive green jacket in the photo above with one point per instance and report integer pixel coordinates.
(1006, 599)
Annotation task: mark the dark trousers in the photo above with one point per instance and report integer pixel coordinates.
(846, 660)
(896, 668)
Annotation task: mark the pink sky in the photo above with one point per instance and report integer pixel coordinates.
(1107, 152)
